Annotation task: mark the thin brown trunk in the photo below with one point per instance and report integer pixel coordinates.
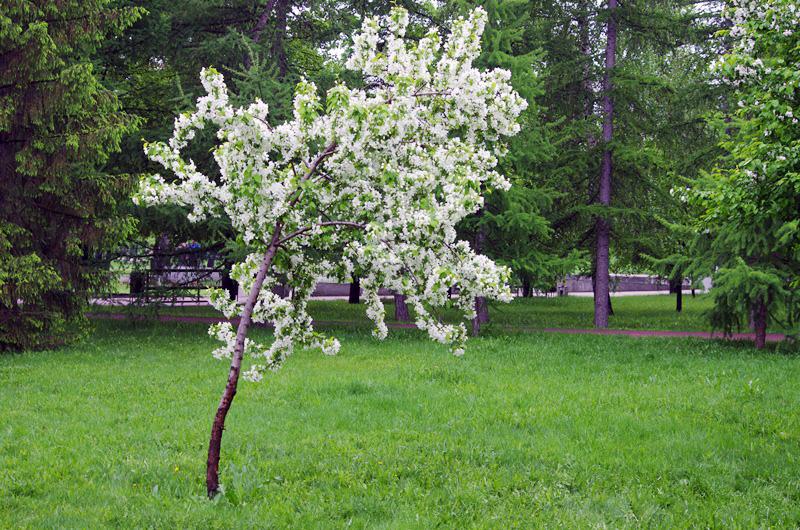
(215, 443)
(603, 225)
(760, 323)
(401, 308)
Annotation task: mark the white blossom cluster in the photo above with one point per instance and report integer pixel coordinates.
(365, 181)
(754, 25)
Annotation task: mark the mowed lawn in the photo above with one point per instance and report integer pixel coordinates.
(655, 312)
(525, 430)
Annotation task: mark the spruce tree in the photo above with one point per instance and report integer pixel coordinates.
(58, 124)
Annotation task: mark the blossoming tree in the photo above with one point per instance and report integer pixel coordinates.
(750, 206)
(371, 181)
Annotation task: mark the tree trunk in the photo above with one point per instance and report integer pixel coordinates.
(278, 47)
(261, 23)
(676, 286)
(481, 307)
(355, 291)
(400, 308)
(259, 27)
(582, 20)
(229, 284)
(215, 443)
(526, 288)
(160, 260)
(760, 323)
(603, 226)
(481, 315)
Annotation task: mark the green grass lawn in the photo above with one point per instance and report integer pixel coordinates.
(631, 312)
(524, 430)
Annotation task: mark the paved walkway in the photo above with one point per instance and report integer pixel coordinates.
(771, 337)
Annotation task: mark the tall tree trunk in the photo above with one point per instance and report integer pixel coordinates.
(760, 323)
(400, 308)
(481, 315)
(258, 29)
(215, 443)
(160, 260)
(526, 287)
(582, 20)
(354, 296)
(278, 47)
(481, 307)
(603, 226)
(261, 23)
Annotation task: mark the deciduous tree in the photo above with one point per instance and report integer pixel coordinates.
(376, 178)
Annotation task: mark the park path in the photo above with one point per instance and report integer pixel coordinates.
(771, 337)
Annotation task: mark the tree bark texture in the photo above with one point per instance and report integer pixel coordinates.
(215, 443)
(760, 323)
(603, 226)
(401, 308)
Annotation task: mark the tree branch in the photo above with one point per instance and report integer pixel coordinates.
(301, 231)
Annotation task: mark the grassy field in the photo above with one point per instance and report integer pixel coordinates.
(630, 312)
(524, 430)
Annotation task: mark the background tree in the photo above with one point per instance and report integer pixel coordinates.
(660, 98)
(58, 206)
(749, 228)
(512, 227)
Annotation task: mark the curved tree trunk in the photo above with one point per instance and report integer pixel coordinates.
(215, 443)
(603, 226)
